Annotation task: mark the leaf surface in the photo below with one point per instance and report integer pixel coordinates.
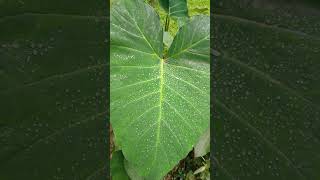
(266, 72)
(159, 106)
(131, 171)
(53, 71)
(175, 8)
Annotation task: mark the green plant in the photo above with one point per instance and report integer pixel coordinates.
(159, 99)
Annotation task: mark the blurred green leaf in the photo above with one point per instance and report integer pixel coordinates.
(267, 89)
(53, 76)
(117, 168)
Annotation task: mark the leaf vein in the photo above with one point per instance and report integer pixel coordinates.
(267, 77)
(190, 69)
(78, 71)
(140, 98)
(190, 84)
(129, 48)
(134, 84)
(184, 99)
(57, 132)
(181, 117)
(135, 67)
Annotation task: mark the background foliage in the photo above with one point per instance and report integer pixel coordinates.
(53, 76)
(267, 92)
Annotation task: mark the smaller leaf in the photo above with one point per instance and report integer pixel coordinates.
(203, 145)
(178, 8)
(118, 171)
(167, 38)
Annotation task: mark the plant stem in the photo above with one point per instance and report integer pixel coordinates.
(167, 24)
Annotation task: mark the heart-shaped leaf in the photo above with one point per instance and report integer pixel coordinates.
(159, 104)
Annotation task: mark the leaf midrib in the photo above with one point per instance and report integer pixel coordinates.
(161, 84)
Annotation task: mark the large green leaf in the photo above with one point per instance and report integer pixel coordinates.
(175, 8)
(267, 89)
(53, 70)
(131, 171)
(159, 106)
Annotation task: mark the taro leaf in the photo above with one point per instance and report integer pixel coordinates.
(267, 86)
(175, 8)
(117, 168)
(159, 107)
(53, 90)
(131, 171)
(203, 145)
